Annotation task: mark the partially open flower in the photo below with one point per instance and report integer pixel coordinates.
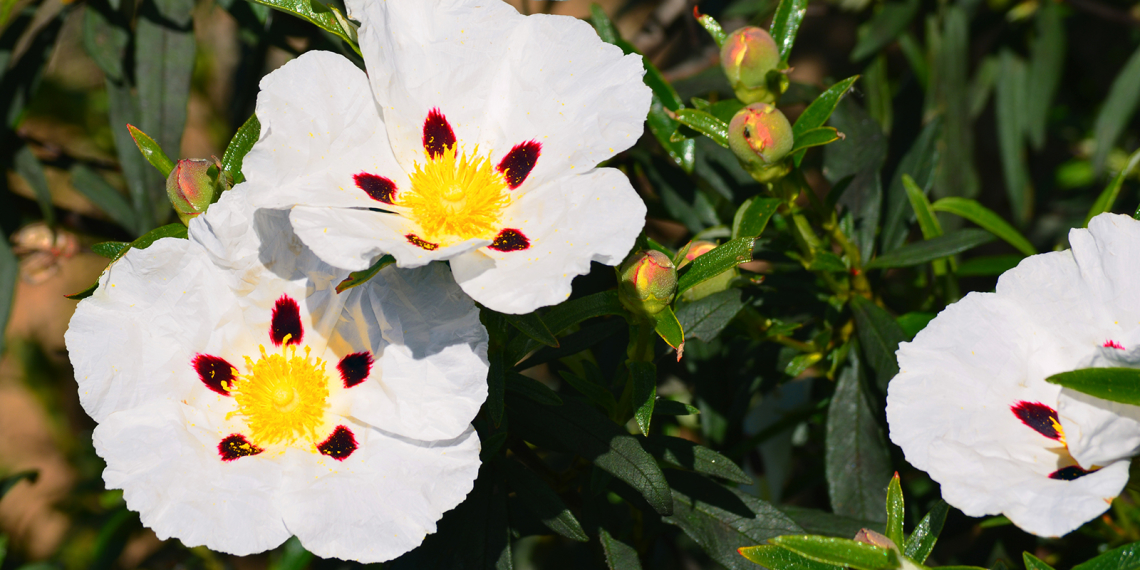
(193, 185)
(648, 283)
(971, 406)
(473, 138)
(747, 56)
(760, 136)
(241, 400)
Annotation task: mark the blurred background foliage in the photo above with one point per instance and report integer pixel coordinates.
(962, 109)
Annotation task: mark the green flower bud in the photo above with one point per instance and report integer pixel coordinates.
(648, 283)
(760, 137)
(193, 185)
(748, 55)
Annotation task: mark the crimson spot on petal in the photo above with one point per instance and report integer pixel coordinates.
(377, 187)
(354, 368)
(1038, 416)
(1113, 344)
(286, 322)
(339, 445)
(518, 163)
(236, 446)
(215, 372)
(1069, 473)
(438, 135)
(510, 240)
(420, 242)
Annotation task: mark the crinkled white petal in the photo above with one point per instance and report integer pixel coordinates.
(382, 500)
(569, 222)
(1099, 432)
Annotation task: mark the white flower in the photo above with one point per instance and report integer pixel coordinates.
(971, 406)
(241, 400)
(474, 138)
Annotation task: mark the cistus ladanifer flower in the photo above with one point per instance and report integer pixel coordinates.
(473, 138)
(241, 400)
(971, 407)
(747, 56)
(648, 282)
(760, 136)
(193, 185)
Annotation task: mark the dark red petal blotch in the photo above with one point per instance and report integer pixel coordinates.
(286, 322)
(236, 446)
(438, 135)
(354, 368)
(1038, 416)
(339, 445)
(377, 187)
(510, 240)
(1069, 473)
(420, 242)
(214, 371)
(518, 163)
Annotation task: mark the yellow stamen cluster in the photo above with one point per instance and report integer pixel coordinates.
(454, 197)
(283, 398)
(1060, 431)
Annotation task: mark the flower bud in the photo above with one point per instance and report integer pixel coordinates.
(760, 136)
(748, 54)
(193, 185)
(716, 284)
(648, 283)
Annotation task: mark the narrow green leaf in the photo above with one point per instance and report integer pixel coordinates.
(815, 137)
(896, 511)
(1112, 384)
(684, 454)
(840, 552)
(880, 95)
(9, 274)
(1126, 557)
(857, 462)
(921, 542)
(1107, 198)
(357, 278)
(725, 110)
(753, 216)
(982, 84)
(704, 123)
(1046, 62)
(1011, 121)
(712, 27)
(109, 249)
(591, 389)
(29, 168)
(240, 146)
(1034, 563)
(105, 38)
(923, 211)
(1117, 111)
(619, 555)
(988, 265)
(785, 23)
(879, 335)
(706, 317)
(724, 257)
(919, 164)
(142, 181)
(822, 107)
(890, 21)
(3, 548)
(931, 249)
(152, 152)
(104, 196)
(771, 556)
(9, 481)
(112, 539)
(673, 408)
(164, 65)
(543, 501)
(670, 330)
(949, 92)
(533, 389)
(317, 13)
(577, 426)
(531, 325)
(987, 219)
(565, 315)
(644, 378)
(828, 524)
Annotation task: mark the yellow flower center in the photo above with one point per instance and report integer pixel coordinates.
(1060, 431)
(454, 197)
(283, 398)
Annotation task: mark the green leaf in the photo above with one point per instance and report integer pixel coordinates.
(105, 38)
(619, 555)
(931, 249)
(565, 315)
(543, 501)
(317, 13)
(644, 378)
(880, 95)
(921, 542)
(923, 211)
(104, 196)
(1124, 558)
(896, 512)
(177, 231)
(533, 389)
(531, 325)
(1107, 198)
(779, 558)
(828, 524)
(753, 216)
(890, 21)
(9, 274)
(1034, 563)
(988, 265)
(879, 336)
(152, 152)
(29, 168)
(669, 328)
(240, 146)
(949, 93)
(713, 28)
(1112, 384)
(112, 539)
(591, 386)
(109, 249)
(666, 407)
(9, 481)
(912, 323)
(820, 110)
(291, 556)
(840, 552)
(705, 318)
(856, 459)
(725, 110)
(815, 137)
(578, 427)
(721, 519)
(1117, 110)
(919, 164)
(3, 548)
(164, 65)
(785, 23)
(1046, 62)
(357, 278)
(144, 183)
(684, 454)
(704, 123)
(724, 257)
(987, 219)
(1010, 110)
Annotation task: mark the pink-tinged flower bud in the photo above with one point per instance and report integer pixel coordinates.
(694, 250)
(192, 186)
(716, 284)
(760, 136)
(648, 283)
(748, 55)
(868, 536)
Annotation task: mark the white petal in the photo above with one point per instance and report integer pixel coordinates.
(382, 500)
(182, 489)
(1106, 254)
(1099, 432)
(570, 222)
(431, 353)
